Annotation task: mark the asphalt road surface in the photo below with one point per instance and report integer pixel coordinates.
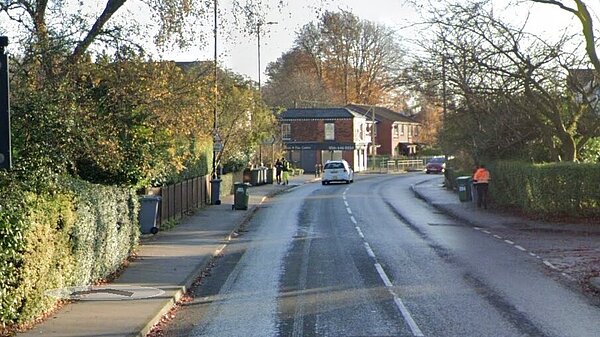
(369, 259)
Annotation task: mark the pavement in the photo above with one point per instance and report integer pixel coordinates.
(167, 264)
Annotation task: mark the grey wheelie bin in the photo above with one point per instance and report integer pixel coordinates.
(148, 213)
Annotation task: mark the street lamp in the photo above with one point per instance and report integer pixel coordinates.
(259, 24)
(5, 143)
(215, 181)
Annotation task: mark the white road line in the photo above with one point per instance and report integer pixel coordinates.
(498, 237)
(487, 232)
(360, 233)
(383, 275)
(477, 228)
(349, 210)
(533, 254)
(520, 248)
(346, 203)
(344, 196)
(369, 250)
(509, 242)
(550, 265)
(416, 331)
(219, 250)
(353, 219)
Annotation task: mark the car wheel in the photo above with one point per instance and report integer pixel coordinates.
(427, 172)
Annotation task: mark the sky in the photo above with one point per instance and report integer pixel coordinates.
(239, 53)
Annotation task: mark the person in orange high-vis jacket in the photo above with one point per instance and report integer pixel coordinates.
(481, 180)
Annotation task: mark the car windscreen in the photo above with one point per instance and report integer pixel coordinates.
(330, 166)
(436, 160)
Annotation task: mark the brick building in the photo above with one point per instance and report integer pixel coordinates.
(315, 135)
(395, 134)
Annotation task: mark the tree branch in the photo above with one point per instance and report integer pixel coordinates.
(112, 6)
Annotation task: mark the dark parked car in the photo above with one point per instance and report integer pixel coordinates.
(436, 165)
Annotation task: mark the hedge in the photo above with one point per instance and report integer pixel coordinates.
(52, 239)
(557, 189)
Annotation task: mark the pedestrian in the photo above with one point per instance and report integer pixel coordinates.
(278, 169)
(481, 180)
(317, 170)
(286, 171)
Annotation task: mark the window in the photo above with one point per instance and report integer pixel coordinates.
(286, 131)
(402, 130)
(329, 131)
(396, 131)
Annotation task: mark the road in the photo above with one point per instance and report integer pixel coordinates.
(369, 259)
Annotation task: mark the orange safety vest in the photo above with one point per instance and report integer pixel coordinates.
(481, 176)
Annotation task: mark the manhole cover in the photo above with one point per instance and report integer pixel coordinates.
(105, 293)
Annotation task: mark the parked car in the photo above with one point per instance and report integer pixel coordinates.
(436, 165)
(337, 170)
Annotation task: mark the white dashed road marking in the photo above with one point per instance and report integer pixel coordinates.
(416, 331)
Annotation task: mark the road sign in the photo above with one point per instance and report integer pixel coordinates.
(218, 147)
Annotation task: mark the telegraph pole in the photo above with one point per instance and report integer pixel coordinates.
(5, 143)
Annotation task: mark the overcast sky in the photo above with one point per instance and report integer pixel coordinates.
(239, 53)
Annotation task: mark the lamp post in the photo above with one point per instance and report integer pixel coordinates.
(5, 143)
(215, 181)
(258, 25)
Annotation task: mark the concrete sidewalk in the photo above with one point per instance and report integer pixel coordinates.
(167, 263)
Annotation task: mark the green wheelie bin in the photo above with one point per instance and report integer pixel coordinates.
(464, 188)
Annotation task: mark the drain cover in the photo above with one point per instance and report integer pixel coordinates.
(105, 293)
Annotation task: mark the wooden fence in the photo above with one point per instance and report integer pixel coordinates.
(181, 198)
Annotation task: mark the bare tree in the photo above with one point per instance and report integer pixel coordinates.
(584, 16)
(509, 87)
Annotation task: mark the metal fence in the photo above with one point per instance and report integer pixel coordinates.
(387, 165)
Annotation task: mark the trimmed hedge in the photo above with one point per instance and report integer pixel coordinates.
(557, 189)
(72, 237)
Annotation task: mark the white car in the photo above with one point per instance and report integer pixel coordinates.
(337, 170)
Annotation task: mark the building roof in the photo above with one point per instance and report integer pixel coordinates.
(380, 113)
(320, 113)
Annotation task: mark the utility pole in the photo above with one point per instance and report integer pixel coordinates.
(444, 104)
(258, 26)
(5, 142)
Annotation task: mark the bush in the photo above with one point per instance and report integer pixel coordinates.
(558, 189)
(54, 239)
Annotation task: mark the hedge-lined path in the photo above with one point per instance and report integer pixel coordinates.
(170, 261)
